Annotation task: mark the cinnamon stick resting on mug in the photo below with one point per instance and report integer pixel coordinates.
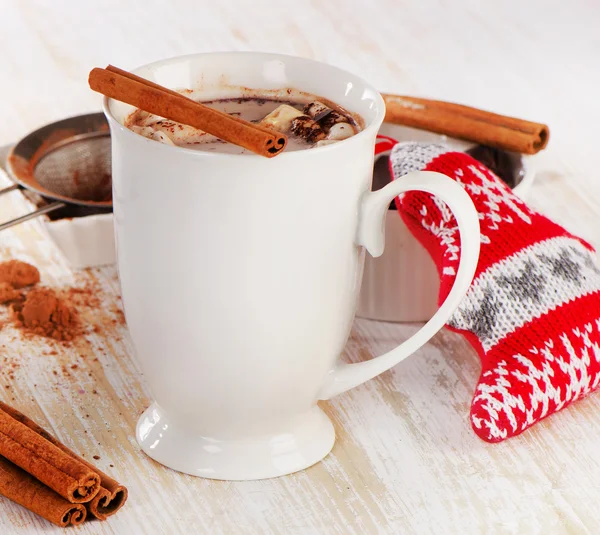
(127, 87)
(464, 122)
(51, 478)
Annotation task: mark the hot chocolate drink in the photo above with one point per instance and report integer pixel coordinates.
(308, 123)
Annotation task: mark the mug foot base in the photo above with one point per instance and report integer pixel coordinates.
(289, 450)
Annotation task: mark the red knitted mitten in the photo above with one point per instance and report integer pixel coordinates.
(533, 309)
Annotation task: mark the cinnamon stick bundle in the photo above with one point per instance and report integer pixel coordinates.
(107, 499)
(24, 489)
(464, 122)
(65, 475)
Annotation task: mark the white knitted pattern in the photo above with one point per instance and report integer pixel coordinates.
(524, 286)
(501, 205)
(498, 197)
(572, 354)
(446, 234)
(411, 156)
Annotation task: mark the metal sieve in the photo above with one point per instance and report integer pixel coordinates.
(68, 163)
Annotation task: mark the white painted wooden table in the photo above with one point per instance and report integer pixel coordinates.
(406, 460)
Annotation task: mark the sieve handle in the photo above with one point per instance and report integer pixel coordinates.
(41, 211)
(9, 189)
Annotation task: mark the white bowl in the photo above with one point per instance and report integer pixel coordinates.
(402, 285)
(84, 241)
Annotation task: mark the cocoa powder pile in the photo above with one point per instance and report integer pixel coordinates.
(8, 293)
(44, 312)
(14, 275)
(41, 310)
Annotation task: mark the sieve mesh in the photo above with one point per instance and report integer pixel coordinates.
(79, 169)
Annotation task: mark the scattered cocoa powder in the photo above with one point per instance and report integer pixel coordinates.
(18, 274)
(119, 314)
(47, 314)
(85, 296)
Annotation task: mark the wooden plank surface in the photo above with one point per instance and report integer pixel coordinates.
(406, 460)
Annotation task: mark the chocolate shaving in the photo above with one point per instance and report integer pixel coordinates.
(324, 115)
(308, 129)
(332, 118)
(316, 110)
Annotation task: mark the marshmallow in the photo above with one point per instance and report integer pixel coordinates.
(340, 131)
(151, 133)
(146, 119)
(162, 137)
(145, 131)
(281, 118)
(324, 142)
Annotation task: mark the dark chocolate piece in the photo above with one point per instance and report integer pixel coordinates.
(507, 166)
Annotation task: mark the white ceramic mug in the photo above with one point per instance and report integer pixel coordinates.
(240, 274)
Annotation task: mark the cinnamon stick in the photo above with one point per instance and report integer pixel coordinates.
(464, 122)
(24, 489)
(111, 496)
(68, 477)
(153, 98)
(135, 77)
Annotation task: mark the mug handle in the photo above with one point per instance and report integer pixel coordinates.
(373, 209)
